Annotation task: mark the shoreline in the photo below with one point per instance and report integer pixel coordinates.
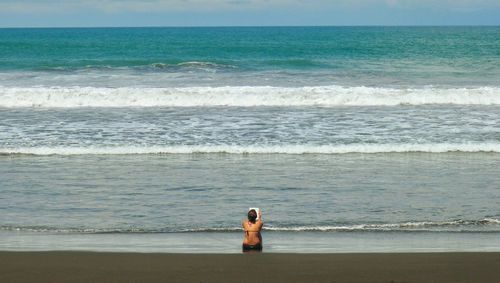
(274, 242)
(70, 266)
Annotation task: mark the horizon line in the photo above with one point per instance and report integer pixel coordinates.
(246, 26)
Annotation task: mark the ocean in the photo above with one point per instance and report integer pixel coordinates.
(349, 139)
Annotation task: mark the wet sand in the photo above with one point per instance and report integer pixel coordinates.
(137, 267)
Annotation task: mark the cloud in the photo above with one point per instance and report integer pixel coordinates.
(44, 6)
(62, 13)
(445, 4)
(152, 6)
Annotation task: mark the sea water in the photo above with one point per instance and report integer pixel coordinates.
(349, 139)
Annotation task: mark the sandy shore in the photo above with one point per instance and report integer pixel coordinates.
(136, 267)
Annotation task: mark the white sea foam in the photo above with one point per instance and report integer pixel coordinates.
(451, 225)
(244, 96)
(256, 149)
(406, 226)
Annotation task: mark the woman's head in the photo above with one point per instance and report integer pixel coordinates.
(252, 215)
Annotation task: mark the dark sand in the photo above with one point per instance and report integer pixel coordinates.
(136, 267)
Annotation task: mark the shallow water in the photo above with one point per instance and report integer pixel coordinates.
(274, 242)
(210, 192)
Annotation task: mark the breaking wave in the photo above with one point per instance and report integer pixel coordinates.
(463, 225)
(482, 225)
(243, 96)
(256, 149)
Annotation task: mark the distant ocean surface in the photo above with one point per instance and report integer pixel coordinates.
(159, 139)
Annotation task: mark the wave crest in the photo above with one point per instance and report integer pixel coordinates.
(452, 225)
(405, 226)
(256, 149)
(242, 96)
(201, 65)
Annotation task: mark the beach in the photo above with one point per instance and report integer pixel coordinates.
(154, 267)
(134, 154)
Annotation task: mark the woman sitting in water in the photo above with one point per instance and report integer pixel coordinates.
(252, 227)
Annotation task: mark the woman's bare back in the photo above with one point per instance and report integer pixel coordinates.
(252, 232)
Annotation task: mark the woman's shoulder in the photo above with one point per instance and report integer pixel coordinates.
(259, 222)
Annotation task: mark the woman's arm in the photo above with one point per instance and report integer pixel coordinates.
(259, 222)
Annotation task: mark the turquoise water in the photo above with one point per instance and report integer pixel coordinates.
(348, 138)
(468, 56)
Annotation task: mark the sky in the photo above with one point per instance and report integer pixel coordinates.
(97, 13)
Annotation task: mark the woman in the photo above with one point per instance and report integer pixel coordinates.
(252, 227)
